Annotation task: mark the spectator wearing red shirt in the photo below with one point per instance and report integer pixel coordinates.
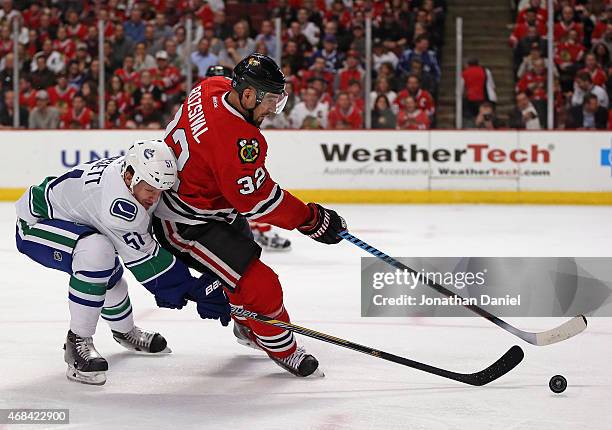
(165, 76)
(6, 43)
(521, 30)
(598, 75)
(534, 82)
(75, 29)
(45, 29)
(355, 92)
(541, 13)
(64, 45)
(77, 117)
(474, 87)
(61, 94)
(318, 70)
(567, 24)
(410, 117)
(129, 76)
(569, 52)
(423, 98)
(344, 115)
(147, 115)
(113, 118)
(351, 72)
(117, 93)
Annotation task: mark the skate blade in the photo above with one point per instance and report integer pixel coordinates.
(89, 378)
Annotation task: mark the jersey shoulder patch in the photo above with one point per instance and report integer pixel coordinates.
(124, 209)
(248, 150)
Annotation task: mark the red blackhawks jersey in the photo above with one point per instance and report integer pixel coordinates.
(221, 165)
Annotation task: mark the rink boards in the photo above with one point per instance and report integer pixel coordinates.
(371, 166)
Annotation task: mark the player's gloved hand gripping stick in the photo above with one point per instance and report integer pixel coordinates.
(564, 331)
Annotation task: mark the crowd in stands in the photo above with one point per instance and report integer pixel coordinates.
(145, 47)
(581, 64)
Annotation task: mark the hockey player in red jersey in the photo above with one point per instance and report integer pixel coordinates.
(223, 183)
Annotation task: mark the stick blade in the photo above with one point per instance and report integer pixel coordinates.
(563, 332)
(503, 365)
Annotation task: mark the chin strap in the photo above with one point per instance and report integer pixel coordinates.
(250, 112)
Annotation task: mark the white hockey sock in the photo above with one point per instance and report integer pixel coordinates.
(117, 310)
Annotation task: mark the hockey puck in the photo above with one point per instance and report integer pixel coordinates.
(557, 384)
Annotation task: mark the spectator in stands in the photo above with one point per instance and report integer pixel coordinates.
(266, 34)
(147, 115)
(351, 72)
(568, 54)
(535, 5)
(245, 45)
(358, 39)
(173, 58)
(42, 78)
(422, 97)
(597, 73)
(293, 57)
(382, 114)
(410, 117)
(135, 27)
(222, 29)
(602, 54)
(531, 28)
(382, 88)
(345, 115)
(329, 52)
(143, 60)
(61, 94)
(75, 29)
(535, 54)
(89, 92)
(389, 30)
(64, 45)
(311, 108)
(113, 118)
(43, 116)
(318, 70)
(75, 77)
(583, 85)
(307, 28)
(6, 73)
(152, 44)
(427, 81)
(165, 76)
(77, 117)
(478, 87)
(524, 115)
(117, 93)
(534, 81)
(129, 75)
(8, 13)
(162, 30)
(7, 112)
(355, 92)
(487, 119)
(428, 58)
(567, 24)
(588, 116)
(387, 71)
(148, 86)
(381, 54)
(229, 56)
(202, 58)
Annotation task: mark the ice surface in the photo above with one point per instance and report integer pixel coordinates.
(212, 382)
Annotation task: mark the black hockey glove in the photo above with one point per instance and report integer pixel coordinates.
(211, 300)
(324, 225)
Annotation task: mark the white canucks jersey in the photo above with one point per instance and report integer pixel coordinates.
(95, 195)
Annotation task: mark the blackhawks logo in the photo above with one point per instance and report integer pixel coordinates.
(248, 150)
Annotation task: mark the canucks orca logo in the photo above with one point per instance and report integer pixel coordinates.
(124, 209)
(248, 150)
(149, 153)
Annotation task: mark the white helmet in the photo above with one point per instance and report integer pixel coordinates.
(153, 162)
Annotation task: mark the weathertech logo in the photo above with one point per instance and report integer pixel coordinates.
(473, 152)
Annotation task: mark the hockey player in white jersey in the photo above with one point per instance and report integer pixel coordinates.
(80, 221)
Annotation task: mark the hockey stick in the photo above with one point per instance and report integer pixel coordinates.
(503, 365)
(564, 331)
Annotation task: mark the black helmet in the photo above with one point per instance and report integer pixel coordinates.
(260, 72)
(219, 71)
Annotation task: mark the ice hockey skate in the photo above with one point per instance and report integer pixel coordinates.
(300, 363)
(85, 364)
(244, 336)
(269, 240)
(140, 340)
